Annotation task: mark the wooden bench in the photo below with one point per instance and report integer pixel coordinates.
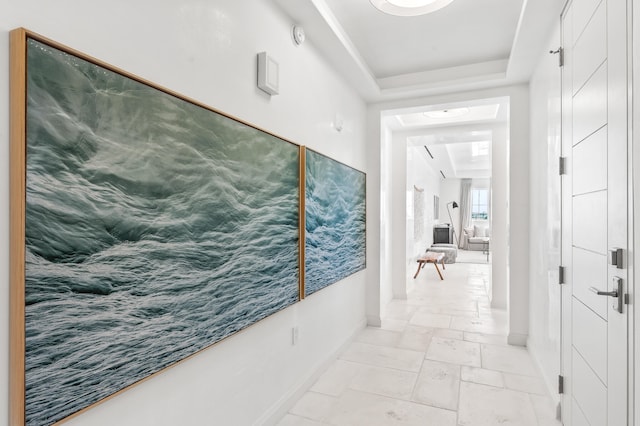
(430, 257)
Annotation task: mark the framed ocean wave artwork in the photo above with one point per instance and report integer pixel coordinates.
(145, 227)
(335, 219)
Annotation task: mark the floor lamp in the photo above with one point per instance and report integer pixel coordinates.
(454, 205)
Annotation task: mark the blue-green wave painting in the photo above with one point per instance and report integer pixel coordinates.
(154, 228)
(335, 210)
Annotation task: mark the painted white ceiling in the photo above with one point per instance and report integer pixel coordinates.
(470, 44)
(465, 32)
(460, 146)
(465, 114)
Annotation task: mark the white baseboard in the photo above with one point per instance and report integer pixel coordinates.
(288, 400)
(400, 296)
(552, 387)
(374, 321)
(517, 339)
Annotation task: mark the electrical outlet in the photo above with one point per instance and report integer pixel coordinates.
(294, 335)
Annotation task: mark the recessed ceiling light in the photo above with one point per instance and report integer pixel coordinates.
(409, 7)
(447, 113)
(479, 149)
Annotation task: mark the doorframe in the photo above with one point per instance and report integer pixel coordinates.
(566, 190)
(516, 276)
(396, 153)
(633, 53)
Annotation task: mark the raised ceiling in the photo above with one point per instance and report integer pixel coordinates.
(459, 145)
(469, 44)
(394, 46)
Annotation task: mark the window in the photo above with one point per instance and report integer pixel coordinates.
(480, 204)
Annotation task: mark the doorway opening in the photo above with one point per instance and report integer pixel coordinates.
(448, 165)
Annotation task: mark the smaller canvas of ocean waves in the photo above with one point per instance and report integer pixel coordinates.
(154, 228)
(335, 245)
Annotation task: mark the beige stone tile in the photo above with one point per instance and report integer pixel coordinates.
(385, 381)
(438, 385)
(482, 376)
(453, 309)
(337, 378)
(454, 352)
(382, 356)
(292, 420)
(314, 406)
(482, 405)
(479, 325)
(378, 336)
(527, 384)
(508, 359)
(425, 319)
(440, 350)
(493, 339)
(447, 333)
(399, 311)
(394, 324)
(416, 338)
(360, 408)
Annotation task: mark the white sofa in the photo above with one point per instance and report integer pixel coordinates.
(476, 237)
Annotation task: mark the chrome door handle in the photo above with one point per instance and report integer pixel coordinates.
(618, 293)
(604, 293)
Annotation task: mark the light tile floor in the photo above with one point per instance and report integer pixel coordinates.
(440, 359)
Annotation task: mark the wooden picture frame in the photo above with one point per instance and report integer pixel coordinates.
(145, 227)
(335, 221)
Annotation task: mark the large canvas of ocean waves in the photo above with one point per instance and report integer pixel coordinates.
(335, 210)
(154, 228)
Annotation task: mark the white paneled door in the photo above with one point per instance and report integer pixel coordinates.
(594, 213)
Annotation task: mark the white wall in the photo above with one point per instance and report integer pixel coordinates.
(409, 167)
(518, 149)
(481, 183)
(500, 219)
(398, 219)
(544, 242)
(207, 51)
(421, 175)
(385, 292)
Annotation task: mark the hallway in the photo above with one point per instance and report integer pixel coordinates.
(440, 359)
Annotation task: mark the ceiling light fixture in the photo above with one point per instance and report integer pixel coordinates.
(428, 152)
(447, 113)
(409, 7)
(479, 149)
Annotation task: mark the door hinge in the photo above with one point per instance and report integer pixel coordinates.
(561, 270)
(559, 412)
(560, 53)
(562, 165)
(560, 384)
